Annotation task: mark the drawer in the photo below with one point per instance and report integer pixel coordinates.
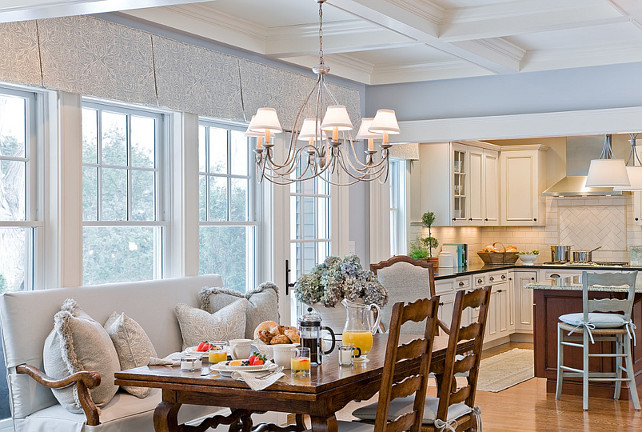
(497, 277)
(462, 283)
(442, 287)
(479, 280)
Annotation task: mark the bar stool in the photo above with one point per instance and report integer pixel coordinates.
(600, 320)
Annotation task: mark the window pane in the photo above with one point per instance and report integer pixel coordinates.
(201, 149)
(89, 193)
(114, 190)
(309, 226)
(218, 150)
(322, 218)
(142, 196)
(114, 147)
(12, 126)
(14, 245)
(12, 190)
(143, 138)
(239, 153)
(238, 206)
(294, 214)
(117, 254)
(218, 198)
(202, 195)
(89, 136)
(226, 250)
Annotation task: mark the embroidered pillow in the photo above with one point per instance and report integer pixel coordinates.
(132, 345)
(264, 303)
(198, 325)
(77, 343)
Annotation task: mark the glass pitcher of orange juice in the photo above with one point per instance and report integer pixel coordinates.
(360, 325)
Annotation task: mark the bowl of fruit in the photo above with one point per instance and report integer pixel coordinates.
(528, 257)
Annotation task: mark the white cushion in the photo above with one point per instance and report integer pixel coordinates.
(401, 406)
(123, 414)
(132, 345)
(198, 325)
(79, 343)
(264, 303)
(600, 320)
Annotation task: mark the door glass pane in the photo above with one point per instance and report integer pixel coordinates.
(118, 254)
(89, 136)
(143, 139)
(218, 151)
(238, 204)
(218, 199)
(114, 194)
(202, 195)
(226, 250)
(239, 153)
(309, 226)
(142, 195)
(14, 246)
(12, 190)
(89, 193)
(114, 133)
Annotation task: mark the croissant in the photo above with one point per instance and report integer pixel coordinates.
(265, 336)
(293, 335)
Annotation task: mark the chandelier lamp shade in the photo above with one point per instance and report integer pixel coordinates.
(607, 171)
(320, 141)
(633, 168)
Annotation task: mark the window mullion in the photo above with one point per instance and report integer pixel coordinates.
(99, 170)
(128, 143)
(229, 173)
(207, 172)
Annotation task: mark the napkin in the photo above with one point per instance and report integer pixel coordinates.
(171, 360)
(255, 383)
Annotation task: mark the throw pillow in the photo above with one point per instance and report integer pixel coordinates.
(198, 325)
(77, 343)
(264, 303)
(132, 345)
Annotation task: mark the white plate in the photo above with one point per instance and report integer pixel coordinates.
(225, 369)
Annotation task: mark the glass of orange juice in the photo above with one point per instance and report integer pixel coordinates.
(361, 339)
(300, 362)
(217, 352)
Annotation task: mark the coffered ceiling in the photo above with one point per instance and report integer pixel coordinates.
(391, 41)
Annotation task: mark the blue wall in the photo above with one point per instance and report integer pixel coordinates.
(599, 87)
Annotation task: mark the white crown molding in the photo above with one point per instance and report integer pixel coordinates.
(393, 74)
(340, 65)
(572, 58)
(425, 9)
(498, 50)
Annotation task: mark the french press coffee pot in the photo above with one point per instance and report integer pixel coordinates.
(310, 328)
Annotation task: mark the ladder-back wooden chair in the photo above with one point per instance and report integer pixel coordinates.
(406, 279)
(601, 320)
(454, 408)
(396, 385)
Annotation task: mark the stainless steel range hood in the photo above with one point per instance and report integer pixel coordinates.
(579, 152)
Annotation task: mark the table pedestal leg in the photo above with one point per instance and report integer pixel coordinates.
(165, 417)
(324, 424)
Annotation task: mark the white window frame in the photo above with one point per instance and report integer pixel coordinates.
(253, 245)
(34, 156)
(162, 191)
(398, 177)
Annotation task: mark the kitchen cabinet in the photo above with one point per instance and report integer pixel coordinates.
(637, 208)
(523, 179)
(471, 171)
(501, 319)
(523, 305)
(446, 292)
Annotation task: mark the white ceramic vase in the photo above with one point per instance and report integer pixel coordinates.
(333, 317)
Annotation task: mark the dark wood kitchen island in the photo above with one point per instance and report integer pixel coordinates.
(553, 298)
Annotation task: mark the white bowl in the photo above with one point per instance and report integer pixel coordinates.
(528, 259)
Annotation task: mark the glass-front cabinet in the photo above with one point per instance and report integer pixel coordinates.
(460, 168)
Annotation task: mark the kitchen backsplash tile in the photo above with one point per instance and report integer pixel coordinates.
(587, 227)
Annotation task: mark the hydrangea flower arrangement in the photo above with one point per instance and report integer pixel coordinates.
(336, 279)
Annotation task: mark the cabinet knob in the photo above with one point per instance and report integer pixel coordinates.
(441, 303)
(479, 281)
(500, 291)
(534, 219)
(461, 284)
(532, 278)
(470, 219)
(637, 219)
(503, 276)
(454, 219)
(486, 219)
(510, 278)
(491, 278)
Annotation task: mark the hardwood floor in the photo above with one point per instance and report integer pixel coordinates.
(527, 407)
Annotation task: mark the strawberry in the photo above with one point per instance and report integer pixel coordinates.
(252, 359)
(258, 362)
(201, 346)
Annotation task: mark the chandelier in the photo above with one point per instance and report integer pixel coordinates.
(322, 146)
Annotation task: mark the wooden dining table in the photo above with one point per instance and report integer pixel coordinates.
(329, 389)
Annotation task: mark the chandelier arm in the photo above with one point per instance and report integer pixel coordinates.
(361, 177)
(365, 167)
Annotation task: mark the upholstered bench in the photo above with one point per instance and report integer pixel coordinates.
(27, 320)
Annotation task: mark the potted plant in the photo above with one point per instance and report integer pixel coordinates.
(429, 242)
(335, 279)
(417, 250)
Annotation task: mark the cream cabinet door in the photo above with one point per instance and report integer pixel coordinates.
(520, 194)
(524, 300)
(491, 188)
(477, 186)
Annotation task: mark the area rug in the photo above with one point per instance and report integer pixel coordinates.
(505, 370)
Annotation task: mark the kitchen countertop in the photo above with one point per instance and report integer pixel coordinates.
(448, 272)
(574, 283)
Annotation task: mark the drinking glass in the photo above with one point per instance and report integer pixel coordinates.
(217, 352)
(300, 362)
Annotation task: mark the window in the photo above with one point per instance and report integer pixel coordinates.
(123, 227)
(18, 190)
(227, 233)
(397, 207)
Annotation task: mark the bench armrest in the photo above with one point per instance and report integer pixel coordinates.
(84, 381)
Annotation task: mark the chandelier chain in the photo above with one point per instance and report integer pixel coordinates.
(321, 32)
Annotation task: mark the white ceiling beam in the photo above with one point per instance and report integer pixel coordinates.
(338, 37)
(397, 16)
(23, 10)
(341, 65)
(572, 58)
